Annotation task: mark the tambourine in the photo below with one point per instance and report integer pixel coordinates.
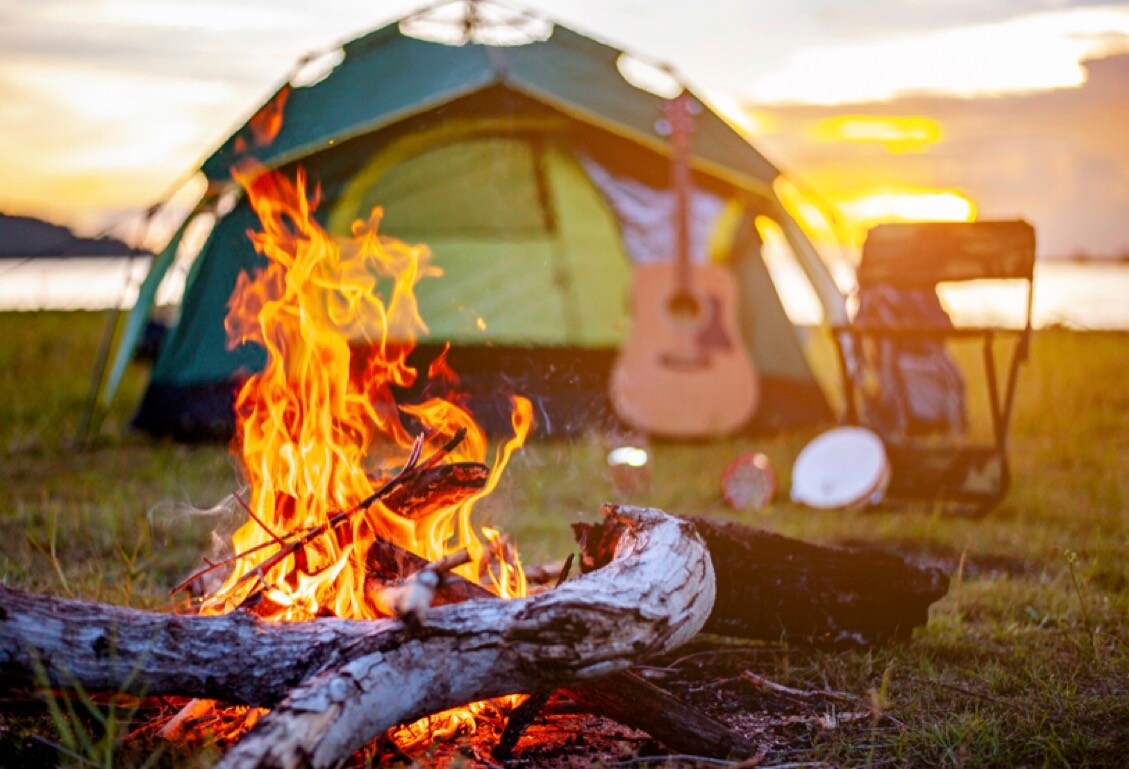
(843, 468)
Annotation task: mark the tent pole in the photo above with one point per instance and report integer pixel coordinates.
(90, 419)
(109, 331)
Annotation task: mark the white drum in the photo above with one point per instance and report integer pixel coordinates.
(842, 468)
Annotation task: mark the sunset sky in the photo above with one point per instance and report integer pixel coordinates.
(888, 108)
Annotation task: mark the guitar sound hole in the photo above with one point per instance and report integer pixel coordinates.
(684, 306)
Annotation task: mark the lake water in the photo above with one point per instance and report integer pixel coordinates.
(78, 283)
(1078, 295)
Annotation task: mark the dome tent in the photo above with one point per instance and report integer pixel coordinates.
(537, 175)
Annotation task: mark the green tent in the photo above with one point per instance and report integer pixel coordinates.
(538, 175)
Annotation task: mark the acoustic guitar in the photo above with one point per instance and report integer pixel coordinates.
(684, 371)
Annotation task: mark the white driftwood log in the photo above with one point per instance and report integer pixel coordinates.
(654, 595)
(349, 682)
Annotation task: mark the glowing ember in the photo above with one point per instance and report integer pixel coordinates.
(318, 430)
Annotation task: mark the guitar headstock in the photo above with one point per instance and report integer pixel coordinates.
(680, 112)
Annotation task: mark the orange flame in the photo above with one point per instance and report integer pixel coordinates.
(309, 425)
(266, 123)
(318, 429)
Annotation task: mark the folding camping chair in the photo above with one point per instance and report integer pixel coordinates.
(897, 375)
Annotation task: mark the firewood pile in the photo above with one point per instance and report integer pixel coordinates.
(599, 647)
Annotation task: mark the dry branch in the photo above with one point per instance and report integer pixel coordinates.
(412, 471)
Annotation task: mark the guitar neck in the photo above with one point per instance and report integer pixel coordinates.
(682, 132)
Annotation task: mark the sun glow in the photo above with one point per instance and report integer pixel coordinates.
(843, 217)
(907, 205)
(897, 134)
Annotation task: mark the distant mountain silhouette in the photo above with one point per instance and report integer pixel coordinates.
(24, 236)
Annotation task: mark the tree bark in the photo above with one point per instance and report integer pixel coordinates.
(342, 683)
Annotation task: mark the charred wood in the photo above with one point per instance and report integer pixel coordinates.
(681, 727)
(439, 486)
(772, 587)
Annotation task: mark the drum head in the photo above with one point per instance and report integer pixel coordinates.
(844, 467)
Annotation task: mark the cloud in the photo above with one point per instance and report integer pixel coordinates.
(1058, 158)
(79, 137)
(177, 40)
(1029, 53)
(875, 21)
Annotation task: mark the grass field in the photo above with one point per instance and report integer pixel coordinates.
(1024, 663)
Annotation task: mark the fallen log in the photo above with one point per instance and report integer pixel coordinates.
(334, 685)
(772, 587)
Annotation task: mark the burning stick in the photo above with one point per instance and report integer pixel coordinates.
(180, 724)
(297, 541)
(441, 486)
(413, 596)
(543, 574)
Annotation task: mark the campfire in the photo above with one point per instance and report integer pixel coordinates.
(320, 436)
(359, 507)
(362, 601)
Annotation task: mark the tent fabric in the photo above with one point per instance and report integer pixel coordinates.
(537, 177)
(646, 216)
(524, 238)
(400, 76)
(195, 351)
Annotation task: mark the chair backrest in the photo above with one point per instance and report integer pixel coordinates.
(922, 254)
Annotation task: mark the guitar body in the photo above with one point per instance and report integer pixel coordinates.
(684, 371)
